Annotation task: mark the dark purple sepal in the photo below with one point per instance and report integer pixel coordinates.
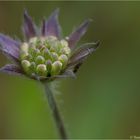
(9, 46)
(43, 28)
(29, 27)
(12, 58)
(81, 54)
(10, 41)
(67, 74)
(51, 27)
(12, 69)
(76, 35)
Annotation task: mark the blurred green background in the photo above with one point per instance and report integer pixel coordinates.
(104, 100)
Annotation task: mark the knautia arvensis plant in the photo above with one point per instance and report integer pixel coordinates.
(45, 55)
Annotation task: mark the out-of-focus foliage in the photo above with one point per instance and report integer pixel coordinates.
(104, 100)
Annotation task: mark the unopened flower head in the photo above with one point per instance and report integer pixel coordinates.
(46, 56)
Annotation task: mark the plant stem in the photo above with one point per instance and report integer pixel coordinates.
(55, 112)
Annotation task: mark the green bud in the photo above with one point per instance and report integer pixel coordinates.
(47, 45)
(23, 55)
(31, 48)
(39, 59)
(33, 40)
(24, 47)
(47, 54)
(56, 68)
(24, 51)
(54, 56)
(42, 48)
(28, 57)
(64, 43)
(49, 65)
(26, 65)
(42, 39)
(64, 59)
(54, 46)
(41, 70)
(52, 42)
(36, 52)
(38, 44)
(65, 50)
(33, 66)
(51, 38)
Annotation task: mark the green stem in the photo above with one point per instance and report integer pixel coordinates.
(55, 112)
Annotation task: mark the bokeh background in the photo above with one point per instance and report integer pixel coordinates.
(104, 100)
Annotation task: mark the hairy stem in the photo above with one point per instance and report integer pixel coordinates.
(55, 112)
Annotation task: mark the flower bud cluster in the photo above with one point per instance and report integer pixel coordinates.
(44, 56)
